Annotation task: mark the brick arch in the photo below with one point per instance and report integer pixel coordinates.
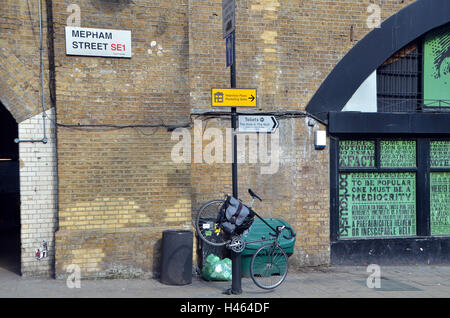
(400, 29)
(19, 86)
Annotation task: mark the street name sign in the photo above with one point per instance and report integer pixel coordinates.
(98, 42)
(228, 17)
(229, 49)
(233, 97)
(258, 124)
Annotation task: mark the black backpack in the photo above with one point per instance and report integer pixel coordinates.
(235, 217)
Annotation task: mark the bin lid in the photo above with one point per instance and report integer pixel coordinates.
(259, 230)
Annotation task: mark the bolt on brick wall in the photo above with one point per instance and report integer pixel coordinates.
(38, 193)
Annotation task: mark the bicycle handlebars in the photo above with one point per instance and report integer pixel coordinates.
(280, 228)
(253, 194)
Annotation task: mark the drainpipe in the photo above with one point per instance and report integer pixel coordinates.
(41, 50)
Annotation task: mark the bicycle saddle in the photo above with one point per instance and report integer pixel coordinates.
(253, 194)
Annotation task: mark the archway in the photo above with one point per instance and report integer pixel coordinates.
(390, 142)
(370, 52)
(10, 246)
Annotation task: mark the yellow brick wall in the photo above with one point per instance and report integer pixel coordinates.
(20, 87)
(118, 189)
(285, 49)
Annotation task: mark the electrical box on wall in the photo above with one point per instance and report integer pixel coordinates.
(320, 139)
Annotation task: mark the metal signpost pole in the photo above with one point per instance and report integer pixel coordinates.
(228, 29)
(236, 271)
(234, 123)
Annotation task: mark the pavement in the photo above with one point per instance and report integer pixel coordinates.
(417, 281)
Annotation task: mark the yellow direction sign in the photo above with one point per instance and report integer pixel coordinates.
(233, 97)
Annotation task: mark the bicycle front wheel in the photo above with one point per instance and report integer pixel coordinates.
(207, 228)
(269, 266)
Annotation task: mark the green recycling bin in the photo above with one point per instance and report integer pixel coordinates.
(259, 231)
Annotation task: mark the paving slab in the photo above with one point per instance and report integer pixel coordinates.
(316, 282)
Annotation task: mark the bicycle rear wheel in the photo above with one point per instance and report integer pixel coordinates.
(207, 228)
(269, 266)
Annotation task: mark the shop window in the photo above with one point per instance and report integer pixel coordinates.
(356, 154)
(377, 188)
(439, 203)
(440, 187)
(417, 77)
(398, 81)
(437, 68)
(377, 204)
(440, 154)
(398, 153)
(392, 188)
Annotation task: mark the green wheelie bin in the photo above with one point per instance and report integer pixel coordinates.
(259, 231)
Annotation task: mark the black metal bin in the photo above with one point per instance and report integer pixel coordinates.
(176, 257)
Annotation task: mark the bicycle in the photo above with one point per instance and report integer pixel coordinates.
(269, 264)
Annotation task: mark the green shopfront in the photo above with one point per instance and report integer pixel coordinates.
(391, 200)
(380, 199)
(387, 108)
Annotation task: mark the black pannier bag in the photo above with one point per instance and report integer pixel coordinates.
(235, 217)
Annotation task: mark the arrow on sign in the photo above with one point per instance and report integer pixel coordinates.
(251, 98)
(275, 123)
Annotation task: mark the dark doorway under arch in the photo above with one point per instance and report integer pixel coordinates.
(9, 194)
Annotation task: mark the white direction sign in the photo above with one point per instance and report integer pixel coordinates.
(262, 124)
(228, 17)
